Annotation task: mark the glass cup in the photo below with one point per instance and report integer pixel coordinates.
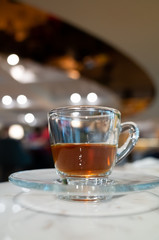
(84, 141)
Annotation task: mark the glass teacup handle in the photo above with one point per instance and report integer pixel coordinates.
(130, 142)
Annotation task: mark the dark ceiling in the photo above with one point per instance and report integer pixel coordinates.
(35, 35)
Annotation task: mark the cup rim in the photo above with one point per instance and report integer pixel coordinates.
(58, 111)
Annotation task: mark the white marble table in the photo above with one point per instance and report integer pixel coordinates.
(20, 223)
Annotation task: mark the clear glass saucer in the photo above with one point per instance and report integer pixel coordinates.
(119, 183)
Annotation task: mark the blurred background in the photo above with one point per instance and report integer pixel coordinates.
(54, 53)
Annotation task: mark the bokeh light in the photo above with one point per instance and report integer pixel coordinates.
(29, 118)
(7, 100)
(13, 59)
(22, 99)
(92, 97)
(16, 131)
(75, 98)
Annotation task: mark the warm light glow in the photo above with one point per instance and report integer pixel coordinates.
(22, 99)
(29, 118)
(75, 97)
(22, 75)
(92, 97)
(13, 59)
(16, 131)
(7, 100)
(74, 74)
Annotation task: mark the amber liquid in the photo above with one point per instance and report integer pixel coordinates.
(84, 160)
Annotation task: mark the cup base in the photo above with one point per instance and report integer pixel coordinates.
(86, 189)
(79, 198)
